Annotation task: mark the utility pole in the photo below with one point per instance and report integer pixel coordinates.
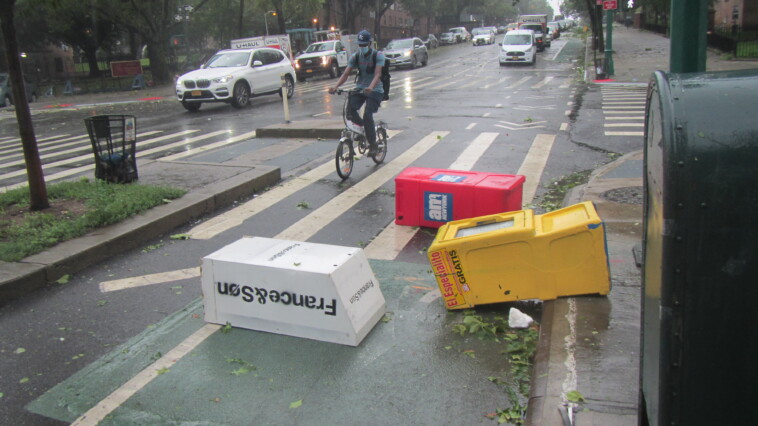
(689, 23)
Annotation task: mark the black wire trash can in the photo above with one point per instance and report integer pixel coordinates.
(114, 140)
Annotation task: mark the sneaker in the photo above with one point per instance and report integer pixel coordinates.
(372, 150)
(355, 127)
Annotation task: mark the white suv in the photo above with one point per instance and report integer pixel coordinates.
(234, 76)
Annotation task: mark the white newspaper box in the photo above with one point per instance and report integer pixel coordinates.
(317, 291)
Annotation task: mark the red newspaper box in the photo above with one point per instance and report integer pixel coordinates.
(433, 197)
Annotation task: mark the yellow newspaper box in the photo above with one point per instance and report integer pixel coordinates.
(517, 255)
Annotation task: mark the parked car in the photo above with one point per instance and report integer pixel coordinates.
(6, 92)
(482, 36)
(518, 46)
(461, 34)
(554, 29)
(501, 29)
(234, 76)
(406, 52)
(326, 57)
(431, 41)
(448, 38)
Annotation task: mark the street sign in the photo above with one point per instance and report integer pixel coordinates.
(610, 5)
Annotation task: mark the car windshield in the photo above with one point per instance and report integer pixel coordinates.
(480, 32)
(320, 47)
(228, 59)
(400, 44)
(517, 39)
(455, 30)
(443, 35)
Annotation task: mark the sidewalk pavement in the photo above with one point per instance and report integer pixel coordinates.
(592, 344)
(587, 344)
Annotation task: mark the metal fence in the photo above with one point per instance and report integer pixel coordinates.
(740, 43)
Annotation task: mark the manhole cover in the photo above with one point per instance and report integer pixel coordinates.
(628, 195)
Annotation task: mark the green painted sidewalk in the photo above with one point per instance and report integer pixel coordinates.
(411, 368)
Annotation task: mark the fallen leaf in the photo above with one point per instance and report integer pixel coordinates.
(296, 404)
(180, 237)
(163, 370)
(24, 380)
(64, 279)
(574, 396)
(19, 351)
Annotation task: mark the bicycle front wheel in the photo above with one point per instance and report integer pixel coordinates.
(381, 145)
(344, 158)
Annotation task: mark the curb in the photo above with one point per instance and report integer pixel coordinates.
(542, 388)
(326, 129)
(33, 272)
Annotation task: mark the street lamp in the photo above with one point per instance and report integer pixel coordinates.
(265, 18)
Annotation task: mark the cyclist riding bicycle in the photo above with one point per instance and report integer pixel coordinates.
(372, 93)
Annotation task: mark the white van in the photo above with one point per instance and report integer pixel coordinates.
(518, 46)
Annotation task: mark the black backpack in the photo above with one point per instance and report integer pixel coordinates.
(385, 78)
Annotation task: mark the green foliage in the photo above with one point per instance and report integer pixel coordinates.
(105, 204)
(557, 190)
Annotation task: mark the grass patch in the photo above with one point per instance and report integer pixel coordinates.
(75, 209)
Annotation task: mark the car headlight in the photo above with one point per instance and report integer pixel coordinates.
(223, 80)
(407, 52)
(324, 60)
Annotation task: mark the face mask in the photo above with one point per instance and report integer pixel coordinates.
(363, 49)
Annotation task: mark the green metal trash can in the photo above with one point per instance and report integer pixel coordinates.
(700, 279)
(114, 140)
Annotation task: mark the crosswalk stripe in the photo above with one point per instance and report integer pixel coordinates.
(193, 151)
(54, 154)
(638, 117)
(624, 125)
(534, 164)
(542, 83)
(9, 142)
(88, 156)
(309, 225)
(520, 82)
(143, 280)
(624, 133)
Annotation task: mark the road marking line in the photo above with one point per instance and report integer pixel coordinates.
(624, 124)
(97, 413)
(474, 151)
(518, 83)
(53, 139)
(640, 117)
(486, 114)
(193, 151)
(624, 133)
(566, 83)
(542, 83)
(143, 280)
(564, 127)
(623, 112)
(498, 82)
(54, 154)
(309, 225)
(238, 215)
(73, 160)
(534, 164)
(471, 126)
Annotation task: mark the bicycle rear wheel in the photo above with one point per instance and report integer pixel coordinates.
(344, 158)
(381, 145)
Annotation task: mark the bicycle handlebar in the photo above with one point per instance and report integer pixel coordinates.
(349, 91)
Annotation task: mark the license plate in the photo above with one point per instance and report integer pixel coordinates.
(196, 93)
(515, 58)
(392, 61)
(307, 71)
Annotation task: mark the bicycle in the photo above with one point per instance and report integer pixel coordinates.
(345, 155)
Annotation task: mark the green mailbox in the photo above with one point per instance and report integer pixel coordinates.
(699, 357)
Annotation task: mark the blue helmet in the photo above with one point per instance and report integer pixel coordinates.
(364, 37)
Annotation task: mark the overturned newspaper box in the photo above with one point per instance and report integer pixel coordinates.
(317, 291)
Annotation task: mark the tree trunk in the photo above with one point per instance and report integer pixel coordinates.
(35, 177)
(94, 68)
(158, 66)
